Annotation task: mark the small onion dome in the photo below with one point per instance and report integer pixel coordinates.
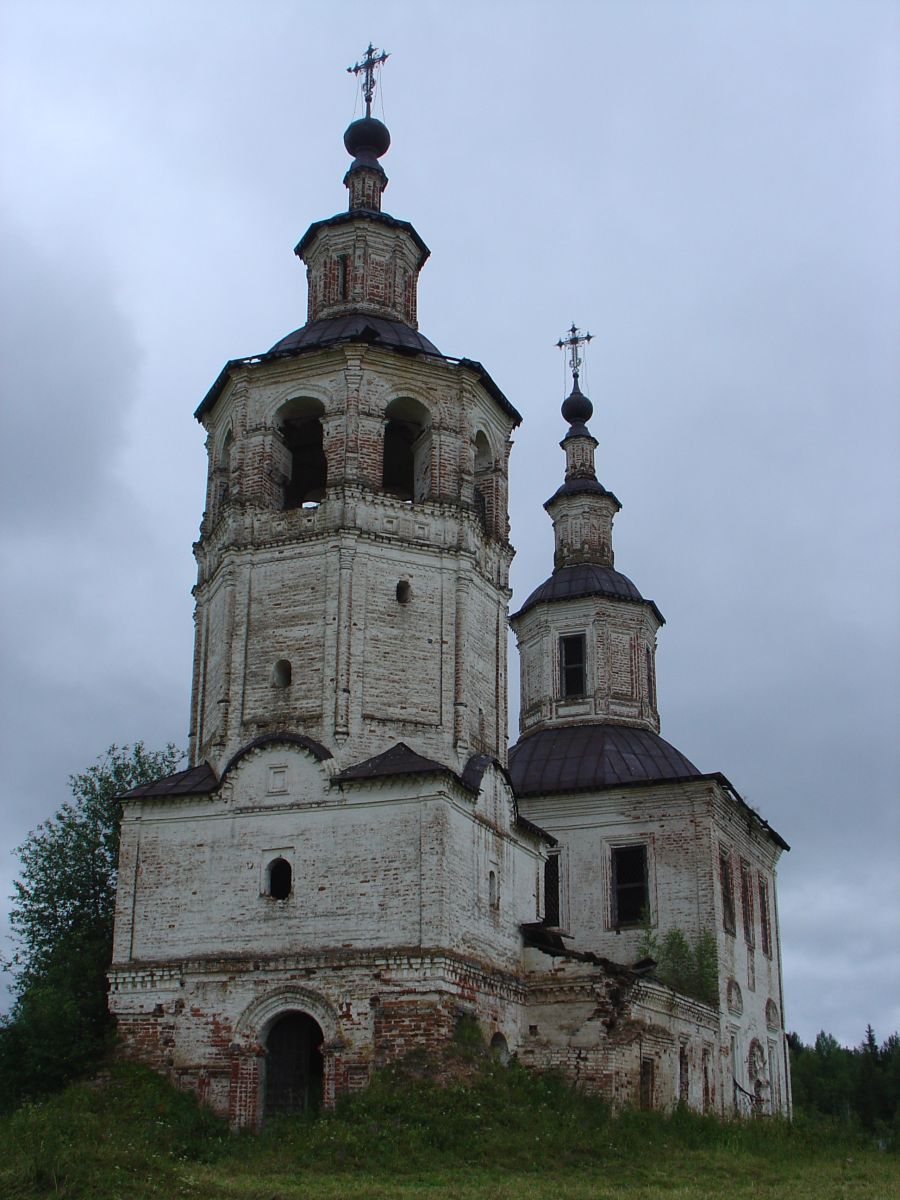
(367, 139)
(576, 408)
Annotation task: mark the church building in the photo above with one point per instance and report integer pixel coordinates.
(354, 862)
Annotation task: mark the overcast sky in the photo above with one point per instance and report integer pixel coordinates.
(711, 188)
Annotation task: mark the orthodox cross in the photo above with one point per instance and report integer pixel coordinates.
(572, 343)
(366, 68)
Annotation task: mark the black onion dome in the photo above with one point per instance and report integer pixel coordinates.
(573, 758)
(586, 579)
(356, 327)
(367, 139)
(576, 408)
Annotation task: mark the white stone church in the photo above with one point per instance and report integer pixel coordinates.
(354, 860)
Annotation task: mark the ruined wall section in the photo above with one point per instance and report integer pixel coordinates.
(632, 1042)
(684, 828)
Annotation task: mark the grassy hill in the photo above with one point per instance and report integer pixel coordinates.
(493, 1131)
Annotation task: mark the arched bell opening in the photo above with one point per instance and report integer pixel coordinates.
(484, 482)
(406, 461)
(300, 425)
(294, 1065)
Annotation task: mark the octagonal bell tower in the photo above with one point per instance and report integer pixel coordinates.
(353, 556)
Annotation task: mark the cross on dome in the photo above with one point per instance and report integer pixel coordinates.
(572, 343)
(366, 67)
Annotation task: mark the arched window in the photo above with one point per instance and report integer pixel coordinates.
(306, 468)
(493, 890)
(500, 1048)
(282, 673)
(279, 879)
(484, 465)
(406, 463)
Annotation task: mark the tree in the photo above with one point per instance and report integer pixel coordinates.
(62, 918)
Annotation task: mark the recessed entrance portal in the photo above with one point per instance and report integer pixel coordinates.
(293, 1065)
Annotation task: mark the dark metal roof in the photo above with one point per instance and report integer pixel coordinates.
(356, 327)
(195, 781)
(391, 335)
(360, 214)
(399, 760)
(316, 749)
(577, 487)
(586, 579)
(573, 758)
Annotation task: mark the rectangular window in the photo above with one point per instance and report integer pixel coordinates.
(571, 666)
(552, 908)
(747, 903)
(727, 882)
(630, 893)
(765, 927)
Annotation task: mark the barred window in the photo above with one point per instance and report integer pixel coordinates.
(572, 666)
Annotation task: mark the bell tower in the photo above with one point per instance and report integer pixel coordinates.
(353, 557)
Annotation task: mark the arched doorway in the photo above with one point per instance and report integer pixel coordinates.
(294, 1065)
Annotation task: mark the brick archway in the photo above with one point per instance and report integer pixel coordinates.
(251, 1034)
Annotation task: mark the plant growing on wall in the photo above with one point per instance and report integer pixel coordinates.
(689, 968)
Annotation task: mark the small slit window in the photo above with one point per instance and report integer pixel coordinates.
(747, 904)
(726, 880)
(765, 923)
(282, 673)
(404, 592)
(572, 666)
(279, 879)
(493, 890)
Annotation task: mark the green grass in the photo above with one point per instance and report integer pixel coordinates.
(495, 1132)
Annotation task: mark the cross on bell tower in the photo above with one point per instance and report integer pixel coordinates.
(366, 67)
(573, 343)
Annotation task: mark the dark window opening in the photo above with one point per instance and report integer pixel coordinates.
(309, 468)
(500, 1048)
(747, 903)
(651, 691)
(648, 1082)
(280, 877)
(572, 666)
(551, 891)
(707, 1091)
(282, 673)
(343, 276)
(684, 1082)
(294, 1065)
(630, 893)
(765, 926)
(404, 592)
(493, 890)
(727, 882)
